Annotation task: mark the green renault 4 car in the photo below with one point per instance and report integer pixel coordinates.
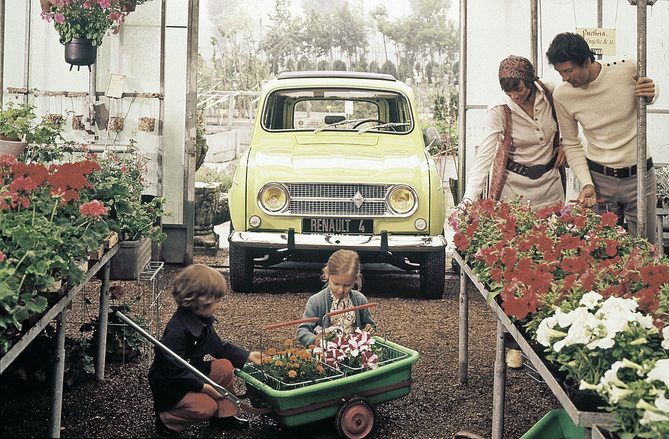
(338, 160)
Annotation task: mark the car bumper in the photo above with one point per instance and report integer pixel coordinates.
(296, 241)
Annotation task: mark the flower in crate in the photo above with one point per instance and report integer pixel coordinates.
(292, 365)
(589, 339)
(357, 350)
(637, 394)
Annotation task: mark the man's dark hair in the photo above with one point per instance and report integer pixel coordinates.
(567, 47)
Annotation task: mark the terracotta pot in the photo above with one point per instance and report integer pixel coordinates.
(12, 147)
(115, 124)
(80, 52)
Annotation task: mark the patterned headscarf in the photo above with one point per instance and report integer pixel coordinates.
(517, 67)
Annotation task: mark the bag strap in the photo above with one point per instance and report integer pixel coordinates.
(499, 171)
(549, 95)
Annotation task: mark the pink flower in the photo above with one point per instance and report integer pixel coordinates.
(2, 256)
(60, 18)
(93, 208)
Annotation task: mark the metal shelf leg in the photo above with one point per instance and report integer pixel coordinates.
(499, 385)
(58, 375)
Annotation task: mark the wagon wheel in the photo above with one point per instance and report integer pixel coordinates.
(355, 419)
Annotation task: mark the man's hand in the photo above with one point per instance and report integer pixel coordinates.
(644, 87)
(587, 197)
(369, 328)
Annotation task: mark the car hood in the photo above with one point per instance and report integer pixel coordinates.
(334, 162)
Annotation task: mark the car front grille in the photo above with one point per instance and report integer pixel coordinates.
(337, 199)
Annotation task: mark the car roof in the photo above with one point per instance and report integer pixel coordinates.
(326, 78)
(336, 74)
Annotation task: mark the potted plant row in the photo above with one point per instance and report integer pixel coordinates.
(593, 300)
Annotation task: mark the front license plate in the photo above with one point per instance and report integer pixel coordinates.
(338, 226)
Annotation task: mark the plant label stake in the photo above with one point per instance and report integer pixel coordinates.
(220, 389)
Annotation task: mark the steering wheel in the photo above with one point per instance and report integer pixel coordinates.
(362, 122)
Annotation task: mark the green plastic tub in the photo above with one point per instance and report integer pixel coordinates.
(556, 424)
(316, 402)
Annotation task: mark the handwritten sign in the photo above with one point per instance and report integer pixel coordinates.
(601, 41)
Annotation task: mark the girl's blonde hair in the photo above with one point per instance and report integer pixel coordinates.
(343, 262)
(198, 286)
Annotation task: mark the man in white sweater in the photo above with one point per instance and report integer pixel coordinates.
(601, 97)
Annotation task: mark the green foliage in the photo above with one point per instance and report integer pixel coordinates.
(448, 130)
(16, 121)
(221, 175)
(119, 185)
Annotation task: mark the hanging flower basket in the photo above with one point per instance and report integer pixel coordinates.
(54, 119)
(78, 122)
(80, 52)
(147, 124)
(116, 124)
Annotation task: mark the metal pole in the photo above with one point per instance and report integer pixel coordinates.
(2, 52)
(463, 333)
(534, 32)
(161, 103)
(499, 384)
(599, 20)
(642, 200)
(58, 374)
(462, 110)
(191, 117)
(102, 329)
(26, 55)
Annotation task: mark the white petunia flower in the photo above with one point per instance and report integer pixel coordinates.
(544, 330)
(589, 300)
(665, 336)
(650, 416)
(662, 403)
(660, 372)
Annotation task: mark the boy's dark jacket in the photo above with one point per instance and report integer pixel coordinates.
(191, 337)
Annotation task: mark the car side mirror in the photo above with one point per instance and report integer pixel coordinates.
(433, 137)
(334, 118)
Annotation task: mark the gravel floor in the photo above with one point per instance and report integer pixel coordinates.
(437, 407)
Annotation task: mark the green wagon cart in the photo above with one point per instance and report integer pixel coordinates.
(348, 395)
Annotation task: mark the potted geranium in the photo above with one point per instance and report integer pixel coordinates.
(15, 125)
(49, 224)
(119, 184)
(82, 24)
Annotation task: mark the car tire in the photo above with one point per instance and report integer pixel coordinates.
(241, 269)
(433, 275)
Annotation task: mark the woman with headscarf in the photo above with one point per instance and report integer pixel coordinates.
(520, 141)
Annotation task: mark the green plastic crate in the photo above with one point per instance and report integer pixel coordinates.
(556, 424)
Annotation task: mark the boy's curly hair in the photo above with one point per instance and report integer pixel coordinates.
(198, 286)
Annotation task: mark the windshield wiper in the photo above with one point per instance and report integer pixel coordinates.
(341, 122)
(385, 125)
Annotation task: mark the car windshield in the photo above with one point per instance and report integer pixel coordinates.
(324, 109)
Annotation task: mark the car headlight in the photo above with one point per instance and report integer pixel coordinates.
(402, 200)
(273, 197)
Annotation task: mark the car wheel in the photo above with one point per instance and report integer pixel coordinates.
(433, 274)
(241, 269)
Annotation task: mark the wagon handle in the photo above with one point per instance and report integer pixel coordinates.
(294, 322)
(355, 308)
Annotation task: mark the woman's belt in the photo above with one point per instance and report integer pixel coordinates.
(531, 172)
